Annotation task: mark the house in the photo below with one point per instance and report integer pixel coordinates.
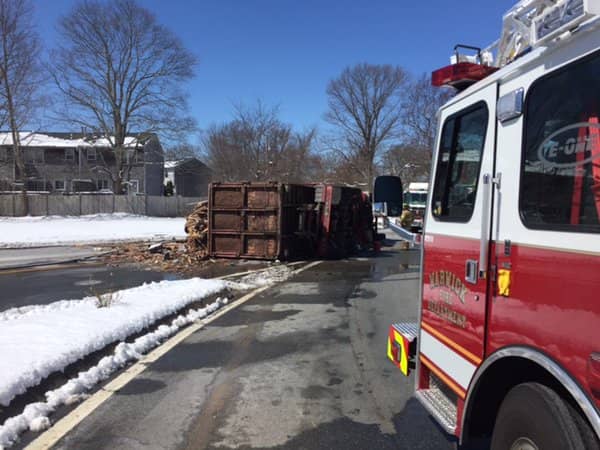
(189, 176)
(77, 162)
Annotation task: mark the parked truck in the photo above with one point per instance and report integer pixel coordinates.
(415, 199)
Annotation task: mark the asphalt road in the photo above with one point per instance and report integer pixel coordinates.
(44, 286)
(12, 258)
(300, 366)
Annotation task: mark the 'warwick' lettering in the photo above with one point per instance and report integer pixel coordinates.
(444, 278)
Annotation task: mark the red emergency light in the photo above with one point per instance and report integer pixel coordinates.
(461, 75)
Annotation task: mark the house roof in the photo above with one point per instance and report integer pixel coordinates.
(173, 163)
(63, 139)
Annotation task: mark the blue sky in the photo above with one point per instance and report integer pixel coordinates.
(285, 51)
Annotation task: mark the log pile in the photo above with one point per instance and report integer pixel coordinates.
(196, 227)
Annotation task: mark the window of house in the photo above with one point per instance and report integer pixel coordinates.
(59, 185)
(79, 185)
(36, 185)
(130, 156)
(102, 184)
(91, 154)
(3, 155)
(133, 187)
(459, 161)
(560, 174)
(34, 155)
(69, 154)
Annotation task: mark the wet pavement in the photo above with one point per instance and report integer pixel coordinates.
(39, 287)
(300, 366)
(14, 258)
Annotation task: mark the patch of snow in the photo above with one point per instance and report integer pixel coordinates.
(273, 274)
(18, 232)
(32, 139)
(35, 415)
(39, 340)
(172, 164)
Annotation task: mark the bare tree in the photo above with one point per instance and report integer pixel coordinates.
(419, 112)
(336, 168)
(182, 150)
(365, 108)
(299, 163)
(408, 162)
(20, 76)
(120, 71)
(257, 146)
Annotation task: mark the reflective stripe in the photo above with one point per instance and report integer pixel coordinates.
(457, 367)
(442, 376)
(450, 343)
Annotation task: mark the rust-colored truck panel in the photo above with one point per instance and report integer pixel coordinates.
(261, 220)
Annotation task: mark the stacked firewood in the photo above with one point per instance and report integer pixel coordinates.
(196, 227)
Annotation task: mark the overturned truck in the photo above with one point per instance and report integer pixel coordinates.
(287, 221)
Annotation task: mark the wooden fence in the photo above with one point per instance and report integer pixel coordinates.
(82, 204)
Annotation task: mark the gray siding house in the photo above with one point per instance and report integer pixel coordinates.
(76, 162)
(190, 177)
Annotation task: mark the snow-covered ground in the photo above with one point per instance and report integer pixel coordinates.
(93, 229)
(38, 340)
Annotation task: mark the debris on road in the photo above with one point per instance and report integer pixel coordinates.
(155, 248)
(166, 256)
(176, 256)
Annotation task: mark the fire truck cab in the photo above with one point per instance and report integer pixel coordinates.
(507, 348)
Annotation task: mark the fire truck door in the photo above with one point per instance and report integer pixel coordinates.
(456, 240)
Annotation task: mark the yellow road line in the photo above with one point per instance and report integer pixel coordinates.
(51, 436)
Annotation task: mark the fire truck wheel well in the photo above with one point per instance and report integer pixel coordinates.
(493, 386)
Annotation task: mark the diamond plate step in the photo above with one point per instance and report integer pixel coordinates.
(439, 406)
(410, 330)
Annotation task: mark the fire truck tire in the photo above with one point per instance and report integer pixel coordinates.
(534, 417)
(590, 441)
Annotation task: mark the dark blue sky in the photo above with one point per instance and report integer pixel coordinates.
(285, 51)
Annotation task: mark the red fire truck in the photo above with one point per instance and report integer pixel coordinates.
(507, 348)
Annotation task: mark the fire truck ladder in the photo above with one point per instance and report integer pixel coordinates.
(531, 23)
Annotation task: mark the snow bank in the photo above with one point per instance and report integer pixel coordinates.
(92, 229)
(35, 415)
(39, 340)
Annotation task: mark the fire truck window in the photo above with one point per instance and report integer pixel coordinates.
(459, 160)
(560, 178)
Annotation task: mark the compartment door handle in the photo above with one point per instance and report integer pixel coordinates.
(471, 271)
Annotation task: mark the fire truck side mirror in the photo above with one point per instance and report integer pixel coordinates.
(388, 189)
